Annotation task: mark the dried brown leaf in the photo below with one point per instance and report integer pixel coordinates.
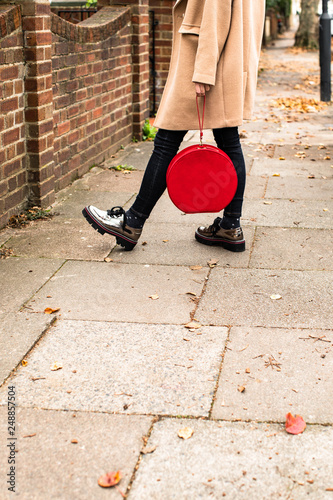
(50, 310)
(185, 433)
(109, 479)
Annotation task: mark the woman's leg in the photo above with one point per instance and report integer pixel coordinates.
(227, 232)
(166, 145)
(127, 226)
(227, 139)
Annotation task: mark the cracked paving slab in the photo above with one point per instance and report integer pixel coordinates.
(50, 465)
(18, 332)
(306, 298)
(22, 278)
(293, 248)
(111, 291)
(121, 367)
(235, 460)
(269, 372)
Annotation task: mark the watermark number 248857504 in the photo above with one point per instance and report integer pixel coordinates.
(11, 439)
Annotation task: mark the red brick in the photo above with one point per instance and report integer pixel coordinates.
(32, 23)
(11, 168)
(9, 105)
(3, 188)
(9, 73)
(11, 136)
(12, 184)
(14, 199)
(63, 128)
(36, 145)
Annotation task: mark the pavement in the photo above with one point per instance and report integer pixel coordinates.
(106, 381)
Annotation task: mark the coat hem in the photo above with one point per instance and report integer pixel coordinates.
(192, 126)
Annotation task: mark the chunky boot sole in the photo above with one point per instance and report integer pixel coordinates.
(128, 244)
(228, 245)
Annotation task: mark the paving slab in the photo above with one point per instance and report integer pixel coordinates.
(18, 333)
(112, 181)
(123, 368)
(310, 137)
(293, 248)
(5, 235)
(49, 465)
(21, 278)
(174, 244)
(255, 187)
(165, 211)
(299, 189)
(137, 157)
(238, 460)
(289, 213)
(292, 168)
(111, 291)
(69, 239)
(306, 298)
(281, 371)
(71, 207)
(313, 153)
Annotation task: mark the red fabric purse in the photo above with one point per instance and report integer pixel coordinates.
(201, 178)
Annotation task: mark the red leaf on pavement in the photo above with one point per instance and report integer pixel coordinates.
(295, 425)
(110, 479)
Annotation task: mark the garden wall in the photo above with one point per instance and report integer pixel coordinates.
(70, 95)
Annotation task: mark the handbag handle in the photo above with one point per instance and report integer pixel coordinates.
(199, 118)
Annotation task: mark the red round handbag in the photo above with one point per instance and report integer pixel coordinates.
(201, 178)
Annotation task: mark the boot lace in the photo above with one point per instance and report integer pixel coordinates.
(215, 226)
(117, 212)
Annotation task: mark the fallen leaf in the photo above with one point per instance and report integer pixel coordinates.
(212, 263)
(55, 366)
(195, 268)
(107, 259)
(192, 325)
(276, 175)
(325, 209)
(24, 362)
(49, 310)
(191, 293)
(109, 479)
(165, 241)
(241, 388)
(154, 297)
(295, 425)
(148, 449)
(276, 297)
(282, 158)
(185, 433)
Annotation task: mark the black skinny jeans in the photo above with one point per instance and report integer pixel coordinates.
(166, 146)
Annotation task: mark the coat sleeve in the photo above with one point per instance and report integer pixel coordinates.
(214, 29)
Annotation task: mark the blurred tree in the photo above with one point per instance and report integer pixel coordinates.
(283, 7)
(307, 33)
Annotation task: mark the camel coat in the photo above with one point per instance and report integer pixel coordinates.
(215, 42)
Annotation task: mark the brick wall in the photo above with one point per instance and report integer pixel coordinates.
(70, 95)
(13, 182)
(92, 91)
(163, 44)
